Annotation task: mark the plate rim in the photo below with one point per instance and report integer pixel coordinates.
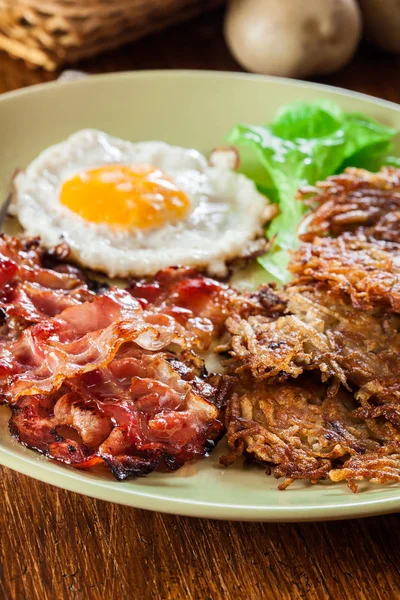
(197, 73)
(72, 480)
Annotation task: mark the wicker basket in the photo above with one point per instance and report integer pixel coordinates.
(50, 33)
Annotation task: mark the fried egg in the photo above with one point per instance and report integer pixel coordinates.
(133, 208)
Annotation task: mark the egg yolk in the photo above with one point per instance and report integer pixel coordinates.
(124, 196)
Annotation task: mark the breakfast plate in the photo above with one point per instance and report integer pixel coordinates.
(192, 110)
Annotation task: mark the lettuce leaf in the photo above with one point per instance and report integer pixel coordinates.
(389, 161)
(306, 142)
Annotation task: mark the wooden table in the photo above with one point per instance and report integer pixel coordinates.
(57, 545)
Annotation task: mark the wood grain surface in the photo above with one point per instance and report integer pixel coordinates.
(58, 545)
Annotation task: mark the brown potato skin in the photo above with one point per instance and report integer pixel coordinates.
(382, 23)
(293, 39)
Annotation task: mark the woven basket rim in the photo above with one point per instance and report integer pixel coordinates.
(52, 39)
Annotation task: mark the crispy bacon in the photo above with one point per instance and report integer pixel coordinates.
(198, 303)
(80, 339)
(132, 415)
(95, 385)
(29, 292)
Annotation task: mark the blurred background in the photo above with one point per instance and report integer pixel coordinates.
(348, 43)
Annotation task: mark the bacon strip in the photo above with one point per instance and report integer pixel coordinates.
(95, 385)
(93, 382)
(132, 416)
(80, 339)
(198, 303)
(29, 292)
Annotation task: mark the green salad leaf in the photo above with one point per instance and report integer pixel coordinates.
(390, 161)
(306, 142)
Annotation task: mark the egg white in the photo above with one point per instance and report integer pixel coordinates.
(226, 210)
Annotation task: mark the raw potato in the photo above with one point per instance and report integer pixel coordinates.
(293, 38)
(382, 23)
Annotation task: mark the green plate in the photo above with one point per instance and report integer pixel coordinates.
(193, 109)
